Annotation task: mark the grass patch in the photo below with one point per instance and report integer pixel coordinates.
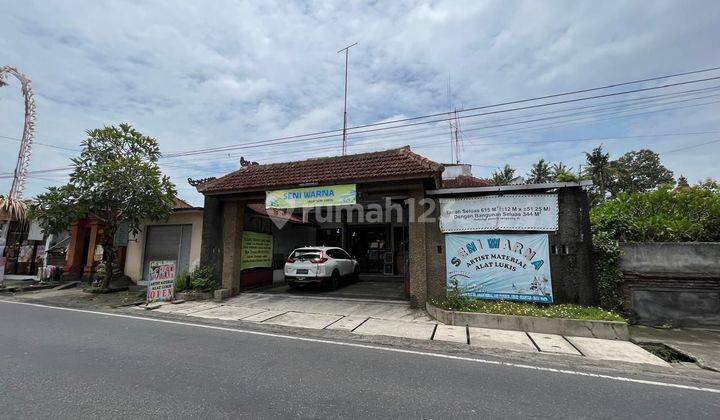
(500, 307)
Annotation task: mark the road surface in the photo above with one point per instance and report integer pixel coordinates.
(68, 364)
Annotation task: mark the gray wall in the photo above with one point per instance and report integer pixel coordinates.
(675, 284)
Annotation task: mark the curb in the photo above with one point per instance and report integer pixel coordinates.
(611, 330)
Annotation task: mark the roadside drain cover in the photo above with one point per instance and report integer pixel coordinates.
(666, 353)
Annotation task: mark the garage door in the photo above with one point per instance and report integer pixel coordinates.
(167, 242)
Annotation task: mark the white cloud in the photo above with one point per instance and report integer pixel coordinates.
(205, 74)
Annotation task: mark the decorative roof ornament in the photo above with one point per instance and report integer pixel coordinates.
(13, 205)
(199, 181)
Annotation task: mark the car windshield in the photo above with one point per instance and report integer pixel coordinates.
(305, 254)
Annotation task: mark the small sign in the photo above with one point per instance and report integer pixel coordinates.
(161, 287)
(330, 195)
(35, 233)
(500, 212)
(500, 266)
(122, 234)
(257, 250)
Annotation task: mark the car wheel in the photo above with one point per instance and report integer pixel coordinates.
(335, 280)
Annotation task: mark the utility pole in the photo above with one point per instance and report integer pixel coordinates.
(347, 53)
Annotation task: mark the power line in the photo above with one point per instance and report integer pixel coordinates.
(322, 134)
(299, 137)
(692, 146)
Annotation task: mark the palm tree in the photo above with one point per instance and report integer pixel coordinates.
(599, 170)
(540, 173)
(504, 176)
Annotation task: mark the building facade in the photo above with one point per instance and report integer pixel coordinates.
(383, 208)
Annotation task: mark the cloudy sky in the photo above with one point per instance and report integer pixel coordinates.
(226, 73)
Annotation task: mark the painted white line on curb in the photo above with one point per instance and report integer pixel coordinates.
(373, 347)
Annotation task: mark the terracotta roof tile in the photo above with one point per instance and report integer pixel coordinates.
(180, 204)
(463, 181)
(399, 163)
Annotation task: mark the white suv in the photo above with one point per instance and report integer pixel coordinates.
(319, 265)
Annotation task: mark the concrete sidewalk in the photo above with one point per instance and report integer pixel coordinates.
(373, 318)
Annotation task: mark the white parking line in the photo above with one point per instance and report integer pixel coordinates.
(373, 347)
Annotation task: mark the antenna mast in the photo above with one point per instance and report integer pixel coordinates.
(344, 140)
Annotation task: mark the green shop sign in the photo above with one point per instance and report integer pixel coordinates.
(331, 195)
(257, 250)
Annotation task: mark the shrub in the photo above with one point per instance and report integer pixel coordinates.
(566, 311)
(664, 215)
(201, 280)
(182, 282)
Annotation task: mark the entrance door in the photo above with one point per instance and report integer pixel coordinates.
(329, 237)
(167, 242)
(368, 244)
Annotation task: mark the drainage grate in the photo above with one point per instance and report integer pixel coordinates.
(666, 353)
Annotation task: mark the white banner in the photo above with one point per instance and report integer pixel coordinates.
(506, 266)
(499, 212)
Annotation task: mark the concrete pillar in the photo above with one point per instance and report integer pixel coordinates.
(417, 246)
(233, 220)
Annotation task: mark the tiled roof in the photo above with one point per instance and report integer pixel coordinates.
(465, 181)
(389, 164)
(181, 204)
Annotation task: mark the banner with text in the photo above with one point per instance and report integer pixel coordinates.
(499, 266)
(161, 286)
(257, 250)
(500, 212)
(331, 195)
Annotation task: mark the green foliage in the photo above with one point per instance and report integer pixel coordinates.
(201, 280)
(561, 173)
(639, 171)
(182, 282)
(566, 311)
(504, 176)
(540, 173)
(664, 215)
(115, 180)
(689, 214)
(598, 169)
(455, 300)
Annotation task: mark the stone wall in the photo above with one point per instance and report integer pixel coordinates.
(675, 284)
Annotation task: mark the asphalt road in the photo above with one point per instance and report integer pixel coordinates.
(64, 364)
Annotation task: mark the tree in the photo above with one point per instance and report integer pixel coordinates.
(540, 173)
(599, 170)
(708, 184)
(116, 180)
(504, 176)
(682, 182)
(561, 173)
(639, 171)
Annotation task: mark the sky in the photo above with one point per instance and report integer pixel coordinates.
(195, 75)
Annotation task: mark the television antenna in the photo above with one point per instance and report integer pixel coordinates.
(347, 53)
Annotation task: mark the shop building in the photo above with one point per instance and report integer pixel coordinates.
(177, 238)
(301, 203)
(384, 208)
